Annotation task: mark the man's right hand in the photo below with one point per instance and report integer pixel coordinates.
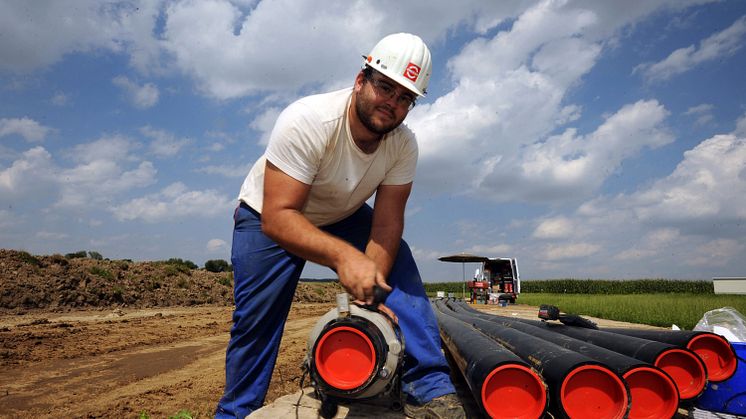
(358, 274)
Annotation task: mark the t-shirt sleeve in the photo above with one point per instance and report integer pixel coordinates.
(297, 142)
(405, 163)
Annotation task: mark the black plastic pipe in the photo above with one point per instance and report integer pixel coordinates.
(654, 394)
(685, 368)
(503, 384)
(714, 350)
(579, 386)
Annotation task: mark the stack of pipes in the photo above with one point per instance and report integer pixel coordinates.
(579, 372)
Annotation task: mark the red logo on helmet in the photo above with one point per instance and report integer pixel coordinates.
(412, 71)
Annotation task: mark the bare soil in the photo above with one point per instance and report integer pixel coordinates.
(89, 339)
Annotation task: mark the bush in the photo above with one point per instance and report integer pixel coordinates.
(77, 255)
(103, 273)
(179, 262)
(171, 270)
(117, 293)
(217, 265)
(226, 280)
(59, 259)
(27, 257)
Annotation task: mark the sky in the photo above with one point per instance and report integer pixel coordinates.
(587, 139)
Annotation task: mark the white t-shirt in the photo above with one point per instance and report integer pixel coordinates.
(311, 142)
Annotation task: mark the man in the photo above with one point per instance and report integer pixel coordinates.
(304, 199)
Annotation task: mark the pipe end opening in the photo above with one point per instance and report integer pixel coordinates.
(717, 354)
(592, 391)
(515, 391)
(345, 357)
(686, 370)
(653, 394)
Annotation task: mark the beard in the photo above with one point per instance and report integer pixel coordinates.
(365, 112)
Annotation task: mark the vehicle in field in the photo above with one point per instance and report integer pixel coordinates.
(497, 278)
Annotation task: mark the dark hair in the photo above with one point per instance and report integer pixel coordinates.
(368, 72)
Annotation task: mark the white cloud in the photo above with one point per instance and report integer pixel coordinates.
(31, 177)
(51, 235)
(216, 246)
(40, 33)
(264, 124)
(717, 46)
(60, 99)
(105, 168)
(691, 218)
(699, 109)
(707, 187)
(265, 51)
(25, 127)
(36, 34)
(141, 96)
(702, 113)
(554, 228)
(560, 252)
(172, 203)
(108, 147)
(98, 182)
(235, 171)
(489, 136)
(425, 254)
(491, 250)
(651, 245)
(102, 170)
(570, 166)
(716, 253)
(8, 219)
(741, 126)
(164, 144)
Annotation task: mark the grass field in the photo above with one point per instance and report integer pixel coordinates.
(657, 302)
(683, 310)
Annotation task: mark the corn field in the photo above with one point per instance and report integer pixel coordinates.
(593, 286)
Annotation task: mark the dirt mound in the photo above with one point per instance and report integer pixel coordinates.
(59, 283)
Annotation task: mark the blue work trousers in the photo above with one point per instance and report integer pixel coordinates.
(265, 278)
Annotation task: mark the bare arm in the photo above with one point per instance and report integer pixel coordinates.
(388, 225)
(284, 223)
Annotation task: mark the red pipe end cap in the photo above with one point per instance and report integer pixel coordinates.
(686, 370)
(345, 357)
(717, 355)
(653, 393)
(592, 391)
(514, 391)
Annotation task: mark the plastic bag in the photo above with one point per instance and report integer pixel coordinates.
(726, 321)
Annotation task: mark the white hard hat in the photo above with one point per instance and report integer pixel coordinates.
(404, 58)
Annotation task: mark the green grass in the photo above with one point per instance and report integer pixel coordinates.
(683, 310)
(103, 273)
(28, 258)
(182, 414)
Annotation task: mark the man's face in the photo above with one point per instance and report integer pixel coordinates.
(381, 104)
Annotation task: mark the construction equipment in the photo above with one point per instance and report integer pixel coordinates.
(496, 280)
(355, 352)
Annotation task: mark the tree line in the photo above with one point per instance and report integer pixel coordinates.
(212, 265)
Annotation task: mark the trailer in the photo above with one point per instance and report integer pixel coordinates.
(496, 280)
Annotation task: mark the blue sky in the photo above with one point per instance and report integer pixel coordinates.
(587, 139)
